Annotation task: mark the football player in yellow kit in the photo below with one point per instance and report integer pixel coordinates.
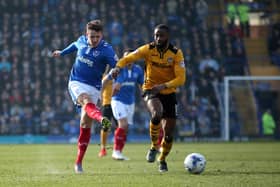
(106, 111)
(164, 73)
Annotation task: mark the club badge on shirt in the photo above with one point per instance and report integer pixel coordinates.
(169, 60)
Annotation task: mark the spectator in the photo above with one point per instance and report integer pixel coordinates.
(274, 44)
(268, 123)
(25, 44)
(234, 31)
(231, 13)
(201, 8)
(243, 14)
(5, 65)
(208, 63)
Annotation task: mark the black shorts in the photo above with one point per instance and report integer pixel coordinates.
(168, 101)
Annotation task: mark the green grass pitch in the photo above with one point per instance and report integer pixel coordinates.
(228, 164)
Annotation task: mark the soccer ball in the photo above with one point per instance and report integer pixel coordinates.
(195, 163)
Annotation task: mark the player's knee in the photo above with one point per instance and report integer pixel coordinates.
(83, 99)
(156, 118)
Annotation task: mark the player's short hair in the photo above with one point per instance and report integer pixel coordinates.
(163, 26)
(95, 25)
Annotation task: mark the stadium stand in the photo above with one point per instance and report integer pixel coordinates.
(34, 98)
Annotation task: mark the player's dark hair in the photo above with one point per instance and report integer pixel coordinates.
(163, 26)
(95, 25)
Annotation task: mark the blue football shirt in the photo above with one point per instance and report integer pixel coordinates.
(129, 80)
(90, 62)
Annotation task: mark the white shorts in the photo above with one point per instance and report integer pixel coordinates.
(77, 88)
(121, 110)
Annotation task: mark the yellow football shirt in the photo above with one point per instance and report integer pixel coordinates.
(166, 67)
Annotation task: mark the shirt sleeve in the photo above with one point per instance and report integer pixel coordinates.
(69, 49)
(133, 56)
(180, 72)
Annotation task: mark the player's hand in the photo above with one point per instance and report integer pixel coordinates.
(157, 88)
(56, 53)
(114, 72)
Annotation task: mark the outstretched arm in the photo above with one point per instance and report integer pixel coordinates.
(132, 57)
(69, 49)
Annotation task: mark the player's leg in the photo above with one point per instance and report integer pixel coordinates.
(103, 142)
(120, 139)
(84, 95)
(130, 109)
(85, 131)
(83, 140)
(120, 114)
(87, 96)
(107, 112)
(154, 106)
(168, 123)
(76, 89)
(167, 142)
(94, 112)
(160, 137)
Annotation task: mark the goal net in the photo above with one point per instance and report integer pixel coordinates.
(246, 98)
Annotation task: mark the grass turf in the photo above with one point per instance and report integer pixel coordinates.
(228, 164)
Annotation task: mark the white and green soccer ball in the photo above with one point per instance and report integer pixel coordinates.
(195, 163)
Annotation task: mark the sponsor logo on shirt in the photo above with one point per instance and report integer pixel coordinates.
(86, 61)
(128, 84)
(170, 60)
(160, 65)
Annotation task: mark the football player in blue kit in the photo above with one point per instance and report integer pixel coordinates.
(93, 54)
(123, 103)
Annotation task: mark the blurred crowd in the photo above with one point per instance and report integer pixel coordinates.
(274, 43)
(33, 86)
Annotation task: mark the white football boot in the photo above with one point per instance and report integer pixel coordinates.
(117, 155)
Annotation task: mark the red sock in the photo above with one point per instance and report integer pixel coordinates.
(160, 137)
(124, 141)
(93, 112)
(119, 139)
(83, 142)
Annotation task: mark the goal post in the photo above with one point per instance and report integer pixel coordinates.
(248, 87)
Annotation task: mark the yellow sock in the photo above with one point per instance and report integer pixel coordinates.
(103, 138)
(154, 133)
(166, 147)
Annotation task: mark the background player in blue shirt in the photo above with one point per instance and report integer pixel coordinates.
(93, 54)
(123, 103)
